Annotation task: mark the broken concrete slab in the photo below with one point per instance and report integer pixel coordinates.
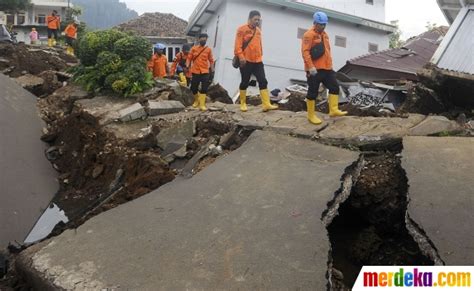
(251, 220)
(164, 107)
(185, 130)
(104, 108)
(439, 171)
(434, 125)
(133, 112)
(29, 82)
(368, 133)
(27, 180)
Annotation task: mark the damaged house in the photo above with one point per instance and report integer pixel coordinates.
(391, 65)
(452, 71)
(353, 31)
(157, 27)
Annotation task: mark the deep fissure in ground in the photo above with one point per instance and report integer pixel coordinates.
(370, 228)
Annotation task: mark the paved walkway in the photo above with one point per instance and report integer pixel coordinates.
(440, 174)
(27, 179)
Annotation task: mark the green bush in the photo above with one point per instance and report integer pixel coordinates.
(113, 61)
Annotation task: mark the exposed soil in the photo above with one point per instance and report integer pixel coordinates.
(370, 229)
(33, 60)
(217, 93)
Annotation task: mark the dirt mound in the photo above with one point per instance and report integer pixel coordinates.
(93, 165)
(296, 102)
(20, 58)
(217, 93)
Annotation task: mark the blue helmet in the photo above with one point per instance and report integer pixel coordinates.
(320, 18)
(159, 46)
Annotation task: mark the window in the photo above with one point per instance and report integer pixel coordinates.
(170, 54)
(10, 19)
(20, 19)
(340, 41)
(176, 51)
(370, 2)
(373, 47)
(300, 33)
(41, 19)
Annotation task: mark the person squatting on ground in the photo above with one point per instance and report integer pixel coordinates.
(316, 51)
(201, 62)
(179, 66)
(158, 64)
(71, 35)
(54, 23)
(248, 49)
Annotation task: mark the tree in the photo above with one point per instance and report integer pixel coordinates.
(395, 37)
(11, 6)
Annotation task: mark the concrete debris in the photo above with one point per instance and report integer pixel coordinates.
(30, 82)
(435, 125)
(185, 130)
(134, 112)
(164, 107)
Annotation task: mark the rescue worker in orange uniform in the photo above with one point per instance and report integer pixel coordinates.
(158, 63)
(316, 51)
(71, 36)
(54, 23)
(248, 49)
(179, 66)
(201, 62)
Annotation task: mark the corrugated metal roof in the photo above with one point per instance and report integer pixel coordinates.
(416, 53)
(456, 51)
(451, 8)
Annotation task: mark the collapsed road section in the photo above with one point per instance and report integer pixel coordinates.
(239, 223)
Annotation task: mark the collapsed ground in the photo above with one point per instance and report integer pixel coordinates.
(99, 170)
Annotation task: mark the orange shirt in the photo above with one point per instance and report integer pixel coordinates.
(254, 52)
(180, 59)
(310, 39)
(158, 65)
(71, 31)
(54, 22)
(201, 59)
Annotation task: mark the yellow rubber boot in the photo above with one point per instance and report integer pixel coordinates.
(334, 111)
(196, 100)
(182, 80)
(243, 100)
(202, 102)
(50, 42)
(54, 42)
(310, 104)
(266, 105)
(72, 51)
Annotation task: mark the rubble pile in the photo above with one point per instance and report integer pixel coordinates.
(39, 70)
(156, 24)
(108, 150)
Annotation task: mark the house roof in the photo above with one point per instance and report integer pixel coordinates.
(162, 25)
(206, 8)
(455, 52)
(451, 8)
(408, 59)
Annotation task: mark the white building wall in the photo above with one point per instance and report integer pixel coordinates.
(281, 46)
(361, 8)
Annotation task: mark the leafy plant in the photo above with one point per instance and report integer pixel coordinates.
(113, 61)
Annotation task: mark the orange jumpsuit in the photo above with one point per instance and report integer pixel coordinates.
(180, 60)
(158, 65)
(310, 39)
(254, 52)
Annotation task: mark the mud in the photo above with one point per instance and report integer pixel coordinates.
(370, 229)
(33, 60)
(217, 93)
